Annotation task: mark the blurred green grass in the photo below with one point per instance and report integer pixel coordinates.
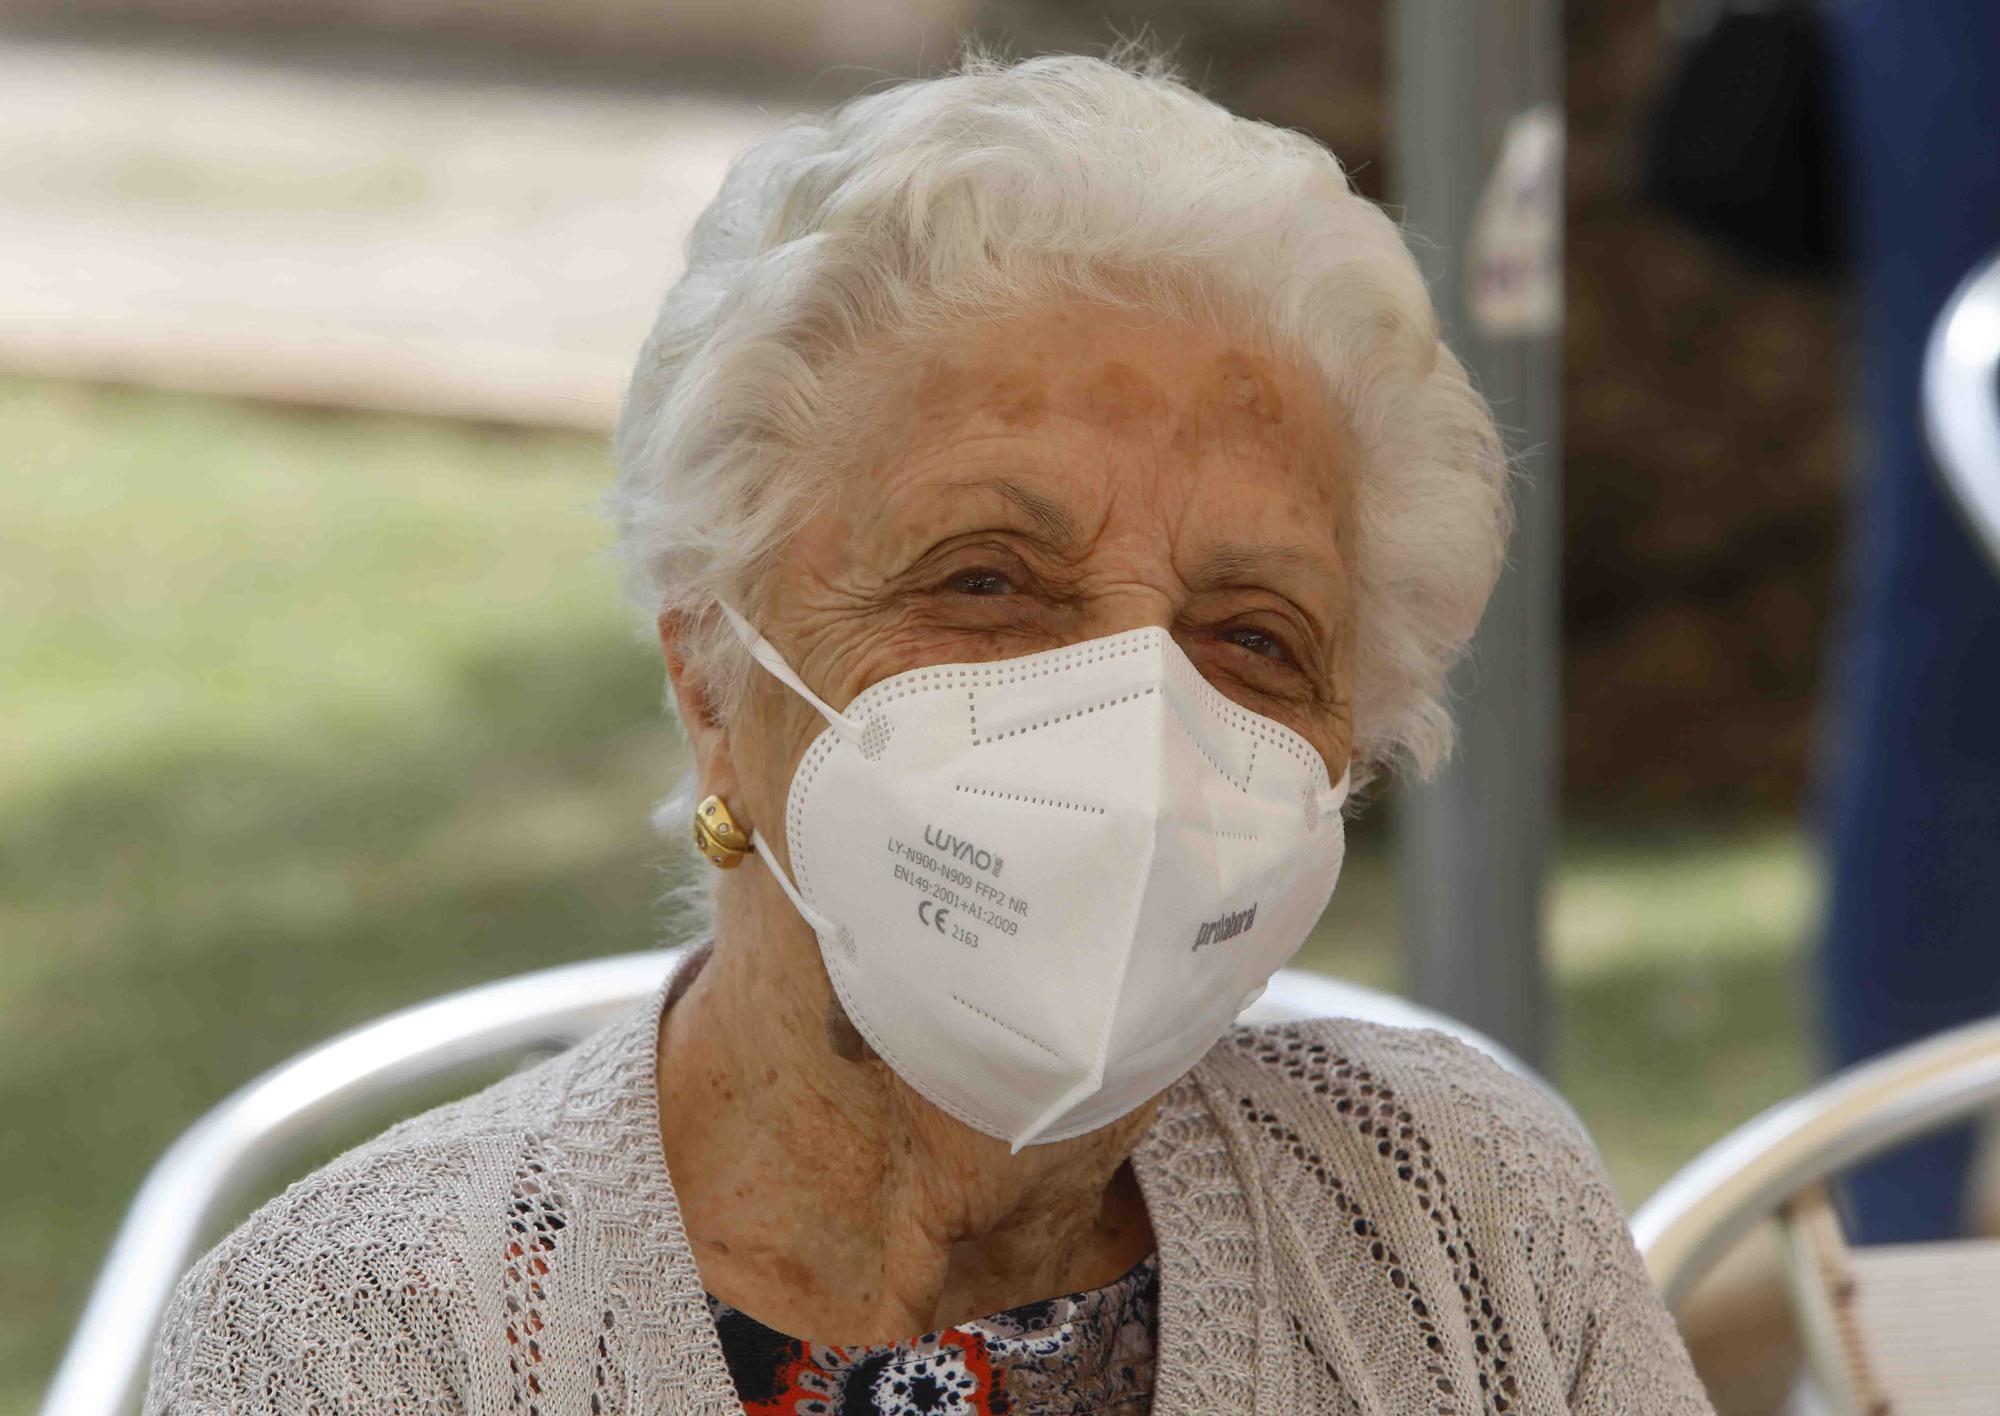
(309, 715)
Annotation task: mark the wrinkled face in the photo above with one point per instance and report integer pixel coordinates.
(1064, 475)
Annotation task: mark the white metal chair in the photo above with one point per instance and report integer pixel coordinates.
(236, 1149)
(1912, 1328)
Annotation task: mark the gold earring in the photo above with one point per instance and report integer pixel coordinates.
(717, 836)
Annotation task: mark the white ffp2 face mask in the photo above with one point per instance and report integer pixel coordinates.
(1044, 887)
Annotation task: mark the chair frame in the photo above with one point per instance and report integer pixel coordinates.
(1749, 1175)
(1820, 1276)
(236, 1148)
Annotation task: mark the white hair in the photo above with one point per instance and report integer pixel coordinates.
(999, 187)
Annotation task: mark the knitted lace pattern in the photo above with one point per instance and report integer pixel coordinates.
(1351, 1218)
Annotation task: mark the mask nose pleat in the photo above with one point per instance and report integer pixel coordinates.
(1102, 681)
(1086, 771)
(1201, 824)
(1205, 717)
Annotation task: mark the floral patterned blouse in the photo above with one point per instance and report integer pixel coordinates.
(1079, 1355)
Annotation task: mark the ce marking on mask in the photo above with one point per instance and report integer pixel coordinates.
(933, 915)
(956, 903)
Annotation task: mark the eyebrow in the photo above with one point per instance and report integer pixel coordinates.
(1235, 562)
(1232, 563)
(1051, 517)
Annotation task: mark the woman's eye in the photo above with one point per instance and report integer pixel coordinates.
(1258, 642)
(982, 582)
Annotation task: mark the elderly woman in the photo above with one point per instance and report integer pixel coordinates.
(1052, 497)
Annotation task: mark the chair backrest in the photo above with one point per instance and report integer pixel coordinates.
(231, 1153)
(1961, 399)
(1899, 1324)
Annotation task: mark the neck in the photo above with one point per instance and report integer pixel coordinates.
(826, 1198)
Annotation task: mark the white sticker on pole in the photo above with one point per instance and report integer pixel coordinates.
(1514, 251)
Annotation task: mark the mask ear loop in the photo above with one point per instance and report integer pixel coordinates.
(1333, 798)
(762, 849)
(762, 650)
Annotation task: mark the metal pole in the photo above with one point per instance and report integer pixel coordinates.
(1473, 845)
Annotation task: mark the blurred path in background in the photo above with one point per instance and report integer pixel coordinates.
(431, 243)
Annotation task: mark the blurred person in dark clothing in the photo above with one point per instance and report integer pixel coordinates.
(1856, 141)
(1912, 782)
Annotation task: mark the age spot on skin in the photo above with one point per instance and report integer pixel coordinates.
(1240, 401)
(1018, 398)
(1245, 385)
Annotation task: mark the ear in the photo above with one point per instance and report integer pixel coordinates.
(715, 765)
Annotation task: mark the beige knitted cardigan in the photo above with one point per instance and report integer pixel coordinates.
(1351, 1218)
